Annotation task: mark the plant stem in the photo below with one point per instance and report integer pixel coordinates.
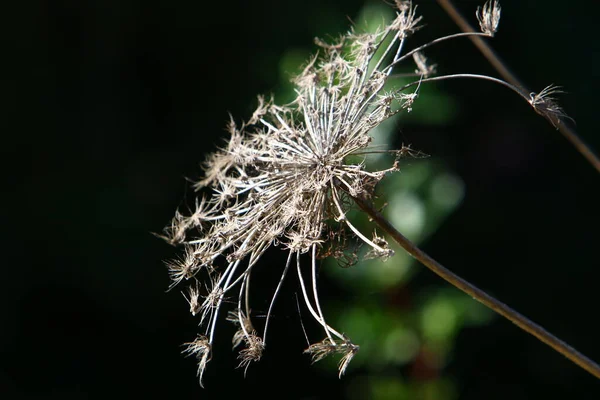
(478, 294)
(569, 133)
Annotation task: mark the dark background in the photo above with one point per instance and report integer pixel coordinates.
(108, 105)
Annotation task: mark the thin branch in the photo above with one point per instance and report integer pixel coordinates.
(479, 295)
(435, 41)
(569, 133)
(468, 76)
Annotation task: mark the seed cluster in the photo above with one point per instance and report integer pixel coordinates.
(284, 179)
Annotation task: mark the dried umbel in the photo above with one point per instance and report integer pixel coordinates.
(283, 179)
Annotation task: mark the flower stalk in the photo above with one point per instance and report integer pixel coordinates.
(492, 303)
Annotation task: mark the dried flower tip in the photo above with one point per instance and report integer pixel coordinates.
(252, 352)
(261, 111)
(193, 299)
(184, 267)
(406, 102)
(212, 299)
(175, 233)
(330, 47)
(422, 67)
(327, 346)
(489, 17)
(382, 252)
(201, 348)
(240, 334)
(299, 242)
(406, 22)
(544, 103)
(407, 151)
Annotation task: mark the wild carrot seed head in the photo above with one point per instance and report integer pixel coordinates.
(284, 179)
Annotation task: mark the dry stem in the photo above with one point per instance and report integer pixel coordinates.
(479, 295)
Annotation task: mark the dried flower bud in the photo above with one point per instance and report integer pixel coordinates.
(544, 103)
(423, 68)
(201, 348)
(193, 299)
(489, 17)
(252, 352)
(328, 346)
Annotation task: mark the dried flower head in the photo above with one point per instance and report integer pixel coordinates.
(283, 179)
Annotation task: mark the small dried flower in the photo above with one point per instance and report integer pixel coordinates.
(489, 17)
(328, 346)
(252, 352)
(375, 253)
(201, 348)
(406, 21)
(183, 267)
(423, 68)
(544, 103)
(213, 299)
(193, 298)
(244, 327)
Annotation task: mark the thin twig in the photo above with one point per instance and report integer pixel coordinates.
(569, 133)
(479, 295)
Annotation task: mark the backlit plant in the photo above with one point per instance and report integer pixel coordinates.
(287, 176)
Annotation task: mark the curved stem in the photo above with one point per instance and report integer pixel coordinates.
(515, 89)
(503, 70)
(478, 294)
(435, 41)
